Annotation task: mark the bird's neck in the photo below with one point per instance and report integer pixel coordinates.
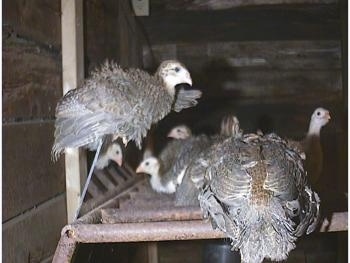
(102, 162)
(156, 182)
(314, 129)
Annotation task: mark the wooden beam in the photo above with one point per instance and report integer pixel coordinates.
(72, 75)
(227, 4)
(276, 22)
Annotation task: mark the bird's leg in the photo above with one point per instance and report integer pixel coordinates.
(88, 179)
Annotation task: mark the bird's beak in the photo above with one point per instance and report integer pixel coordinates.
(187, 78)
(139, 169)
(328, 116)
(171, 134)
(119, 161)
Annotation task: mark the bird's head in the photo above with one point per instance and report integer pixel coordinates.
(149, 166)
(320, 117)
(115, 153)
(173, 73)
(180, 132)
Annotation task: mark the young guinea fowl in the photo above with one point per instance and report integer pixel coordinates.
(120, 102)
(112, 153)
(311, 145)
(180, 132)
(168, 169)
(254, 189)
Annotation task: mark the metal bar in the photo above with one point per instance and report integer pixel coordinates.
(112, 216)
(65, 249)
(150, 231)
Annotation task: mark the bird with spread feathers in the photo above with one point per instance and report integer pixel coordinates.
(254, 189)
(122, 103)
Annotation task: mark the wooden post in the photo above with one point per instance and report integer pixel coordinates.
(72, 76)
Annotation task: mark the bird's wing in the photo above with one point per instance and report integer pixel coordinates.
(186, 99)
(112, 101)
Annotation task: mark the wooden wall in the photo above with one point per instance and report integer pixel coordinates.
(34, 207)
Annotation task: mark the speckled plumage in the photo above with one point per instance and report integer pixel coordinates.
(254, 189)
(120, 102)
(187, 193)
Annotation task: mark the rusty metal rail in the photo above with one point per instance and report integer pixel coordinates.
(136, 213)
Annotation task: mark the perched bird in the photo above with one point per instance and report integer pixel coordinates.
(123, 103)
(112, 153)
(254, 189)
(311, 144)
(168, 169)
(180, 132)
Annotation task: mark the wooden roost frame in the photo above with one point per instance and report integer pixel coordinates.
(121, 217)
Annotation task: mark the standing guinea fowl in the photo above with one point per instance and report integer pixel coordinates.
(124, 103)
(311, 145)
(254, 189)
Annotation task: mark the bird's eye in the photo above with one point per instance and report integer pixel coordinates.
(146, 163)
(117, 152)
(177, 69)
(178, 130)
(318, 113)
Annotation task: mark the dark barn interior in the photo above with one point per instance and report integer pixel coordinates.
(269, 62)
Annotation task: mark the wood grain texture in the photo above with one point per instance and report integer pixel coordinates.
(277, 22)
(36, 20)
(33, 236)
(31, 80)
(29, 175)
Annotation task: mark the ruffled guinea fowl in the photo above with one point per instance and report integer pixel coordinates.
(113, 152)
(254, 189)
(124, 103)
(168, 169)
(311, 145)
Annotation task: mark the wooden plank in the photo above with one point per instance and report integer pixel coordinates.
(29, 175)
(31, 80)
(281, 55)
(101, 29)
(33, 236)
(38, 20)
(73, 74)
(278, 22)
(226, 4)
(290, 85)
(152, 249)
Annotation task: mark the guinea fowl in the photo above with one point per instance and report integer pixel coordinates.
(124, 103)
(254, 189)
(311, 144)
(168, 169)
(112, 153)
(180, 132)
